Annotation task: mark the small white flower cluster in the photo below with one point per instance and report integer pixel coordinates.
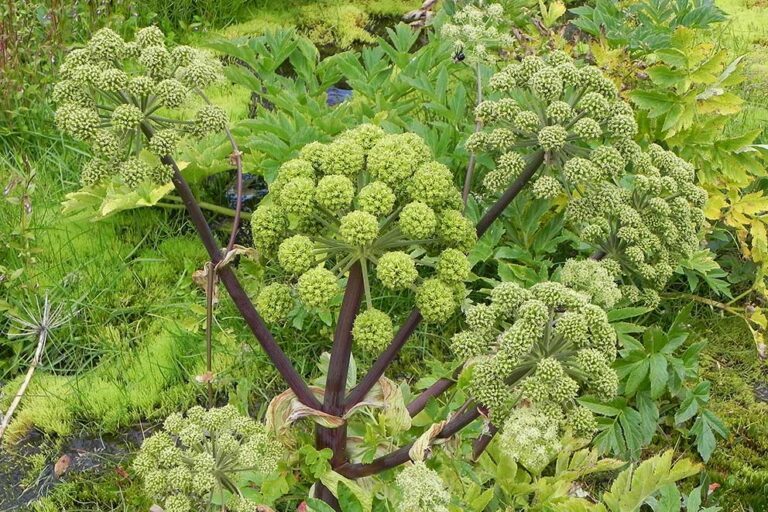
(201, 453)
(478, 32)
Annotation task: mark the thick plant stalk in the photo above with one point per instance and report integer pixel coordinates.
(235, 290)
(435, 390)
(482, 442)
(405, 331)
(338, 370)
(402, 455)
(510, 194)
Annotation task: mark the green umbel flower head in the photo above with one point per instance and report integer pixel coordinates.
(524, 346)
(640, 208)
(110, 95)
(372, 330)
(196, 454)
(371, 203)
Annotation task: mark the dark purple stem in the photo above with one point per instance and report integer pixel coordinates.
(435, 390)
(401, 456)
(510, 194)
(338, 370)
(235, 290)
(482, 442)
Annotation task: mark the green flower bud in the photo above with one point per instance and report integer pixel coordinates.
(455, 230)
(343, 157)
(547, 187)
(622, 126)
(396, 270)
(171, 93)
(527, 122)
(126, 117)
(422, 489)
(78, 122)
(209, 119)
(395, 158)
(141, 86)
(268, 223)
(297, 197)
(569, 74)
(376, 198)
(106, 146)
(435, 301)
(295, 254)
(274, 302)
(582, 422)
(317, 287)
(453, 266)
(587, 129)
(164, 142)
(113, 80)
(468, 344)
(150, 36)
(335, 193)
(559, 112)
(546, 84)
(134, 172)
(94, 171)
(364, 135)
(161, 174)
(417, 221)
(183, 55)
(580, 171)
(432, 184)
(359, 228)
(594, 105)
(106, 45)
(572, 327)
(156, 60)
(552, 138)
(200, 73)
(372, 330)
(608, 160)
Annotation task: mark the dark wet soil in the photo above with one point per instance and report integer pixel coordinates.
(19, 486)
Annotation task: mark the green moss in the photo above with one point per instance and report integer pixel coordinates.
(328, 22)
(731, 364)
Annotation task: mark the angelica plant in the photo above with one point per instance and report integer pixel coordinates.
(478, 32)
(566, 126)
(112, 92)
(202, 456)
(372, 204)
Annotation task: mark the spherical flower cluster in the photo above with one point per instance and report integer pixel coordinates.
(197, 454)
(530, 438)
(422, 489)
(317, 287)
(594, 278)
(335, 193)
(376, 198)
(295, 254)
(396, 270)
(108, 96)
(542, 328)
(395, 158)
(418, 221)
(372, 330)
(275, 302)
(209, 119)
(359, 228)
(435, 301)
